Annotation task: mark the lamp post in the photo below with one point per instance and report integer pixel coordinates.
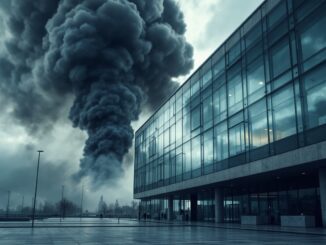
(38, 166)
(22, 211)
(81, 203)
(62, 203)
(8, 204)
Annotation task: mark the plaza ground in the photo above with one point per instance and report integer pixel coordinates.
(109, 231)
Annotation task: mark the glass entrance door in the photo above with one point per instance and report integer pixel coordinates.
(273, 209)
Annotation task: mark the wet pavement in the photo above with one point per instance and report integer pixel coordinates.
(109, 231)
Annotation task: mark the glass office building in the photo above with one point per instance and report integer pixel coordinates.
(244, 138)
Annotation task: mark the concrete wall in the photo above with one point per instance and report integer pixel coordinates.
(254, 220)
(288, 159)
(298, 221)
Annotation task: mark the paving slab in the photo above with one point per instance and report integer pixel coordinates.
(148, 233)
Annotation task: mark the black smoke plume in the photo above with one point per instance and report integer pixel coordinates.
(111, 57)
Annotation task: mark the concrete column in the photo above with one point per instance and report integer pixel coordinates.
(193, 207)
(170, 208)
(322, 190)
(219, 208)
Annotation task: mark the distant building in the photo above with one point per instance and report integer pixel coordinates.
(244, 138)
(102, 207)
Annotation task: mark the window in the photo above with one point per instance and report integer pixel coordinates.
(195, 118)
(258, 125)
(208, 148)
(166, 166)
(219, 103)
(207, 77)
(277, 14)
(172, 164)
(221, 142)
(178, 102)
(218, 67)
(315, 87)
(172, 134)
(280, 58)
(234, 53)
(195, 153)
(313, 37)
(236, 139)
(186, 94)
(254, 34)
(256, 80)
(160, 169)
(284, 120)
(207, 111)
(178, 135)
(186, 126)
(166, 138)
(160, 144)
(167, 114)
(152, 146)
(172, 107)
(178, 160)
(254, 52)
(235, 97)
(186, 157)
(195, 86)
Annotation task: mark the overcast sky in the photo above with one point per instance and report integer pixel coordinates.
(209, 23)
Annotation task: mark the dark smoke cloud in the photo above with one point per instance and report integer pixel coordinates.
(111, 56)
(25, 22)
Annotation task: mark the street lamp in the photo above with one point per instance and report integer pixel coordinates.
(38, 166)
(81, 202)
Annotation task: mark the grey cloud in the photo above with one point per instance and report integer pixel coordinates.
(227, 15)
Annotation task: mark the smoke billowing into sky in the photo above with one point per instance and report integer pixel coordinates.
(108, 58)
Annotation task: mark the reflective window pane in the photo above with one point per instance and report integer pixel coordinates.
(208, 147)
(253, 35)
(207, 110)
(233, 53)
(235, 97)
(315, 87)
(284, 121)
(186, 126)
(207, 77)
(195, 118)
(219, 103)
(166, 138)
(280, 58)
(236, 140)
(166, 166)
(178, 160)
(186, 94)
(313, 37)
(186, 157)
(178, 130)
(276, 14)
(221, 142)
(195, 86)
(218, 67)
(172, 134)
(256, 80)
(195, 153)
(258, 125)
(253, 53)
(172, 164)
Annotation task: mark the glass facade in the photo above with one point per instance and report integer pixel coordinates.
(261, 93)
(268, 199)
